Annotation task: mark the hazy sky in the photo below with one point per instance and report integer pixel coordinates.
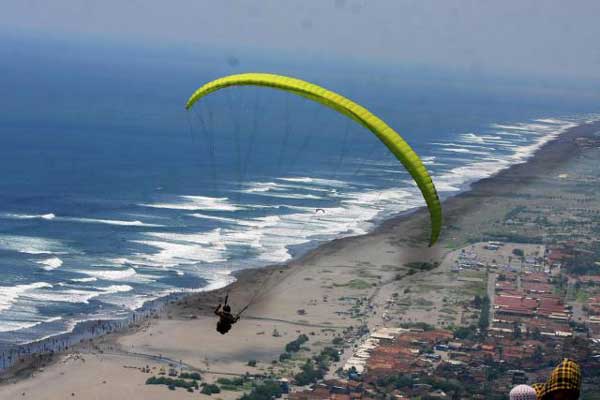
(550, 38)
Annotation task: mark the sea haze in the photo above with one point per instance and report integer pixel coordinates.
(112, 195)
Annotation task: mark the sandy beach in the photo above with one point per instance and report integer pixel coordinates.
(342, 285)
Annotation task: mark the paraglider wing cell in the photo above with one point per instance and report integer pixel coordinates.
(393, 141)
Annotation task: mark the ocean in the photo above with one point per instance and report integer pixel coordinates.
(113, 195)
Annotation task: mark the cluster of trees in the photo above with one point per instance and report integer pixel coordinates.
(210, 389)
(518, 252)
(315, 369)
(267, 390)
(188, 381)
(310, 373)
(231, 384)
(418, 325)
(584, 262)
(295, 345)
(484, 317)
(326, 356)
(192, 375)
(397, 381)
(420, 266)
(173, 383)
(465, 332)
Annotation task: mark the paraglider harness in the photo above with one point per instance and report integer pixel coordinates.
(226, 318)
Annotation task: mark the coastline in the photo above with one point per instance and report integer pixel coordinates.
(522, 155)
(406, 231)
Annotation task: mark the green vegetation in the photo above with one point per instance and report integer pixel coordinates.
(172, 383)
(267, 390)
(420, 266)
(583, 262)
(295, 345)
(252, 363)
(210, 389)
(396, 381)
(327, 355)
(417, 325)
(518, 252)
(582, 296)
(465, 332)
(233, 384)
(476, 301)
(484, 317)
(310, 374)
(193, 375)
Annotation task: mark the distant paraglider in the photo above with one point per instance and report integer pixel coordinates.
(393, 141)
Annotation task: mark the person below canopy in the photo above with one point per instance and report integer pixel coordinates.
(226, 318)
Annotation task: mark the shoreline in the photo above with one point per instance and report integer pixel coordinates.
(253, 285)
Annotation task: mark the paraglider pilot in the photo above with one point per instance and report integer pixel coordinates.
(226, 318)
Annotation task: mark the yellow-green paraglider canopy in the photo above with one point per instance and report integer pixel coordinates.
(393, 141)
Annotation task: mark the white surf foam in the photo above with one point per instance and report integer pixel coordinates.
(552, 121)
(455, 178)
(195, 203)
(54, 217)
(31, 245)
(464, 150)
(9, 294)
(73, 295)
(273, 235)
(215, 218)
(259, 187)
(50, 263)
(49, 216)
(182, 248)
(109, 275)
(83, 280)
(315, 181)
(429, 160)
(109, 222)
(475, 138)
(465, 146)
(15, 325)
(299, 196)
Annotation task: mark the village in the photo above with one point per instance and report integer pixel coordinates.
(535, 315)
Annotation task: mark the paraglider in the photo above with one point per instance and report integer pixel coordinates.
(392, 140)
(226, 318)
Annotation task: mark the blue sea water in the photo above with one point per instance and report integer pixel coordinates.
(112, 195)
